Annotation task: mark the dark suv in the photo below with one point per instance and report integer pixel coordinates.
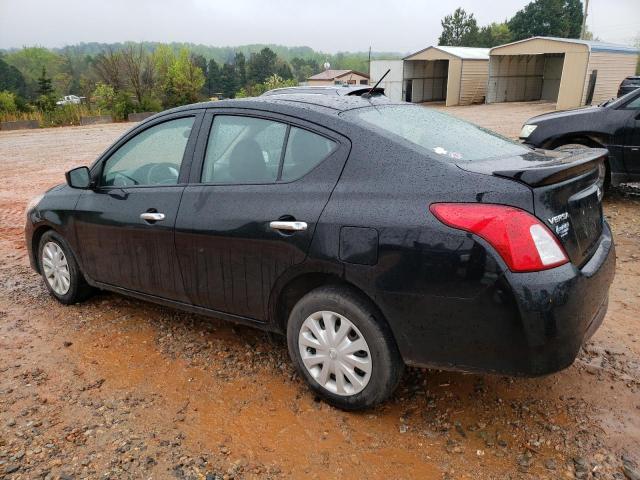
(614, 125)
(629, 84)
(372, 234)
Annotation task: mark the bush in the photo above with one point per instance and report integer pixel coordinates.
(22, 105)
(274, 81)
(149, 104)
(122, 106)
(7, 102)
(46, 103)
(104, 96)
(65, 115)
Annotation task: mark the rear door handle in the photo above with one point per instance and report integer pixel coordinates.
(152, 216)
(288, 226)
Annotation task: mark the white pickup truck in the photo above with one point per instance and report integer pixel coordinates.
(70, 100)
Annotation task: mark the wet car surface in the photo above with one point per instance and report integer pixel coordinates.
(260, 212)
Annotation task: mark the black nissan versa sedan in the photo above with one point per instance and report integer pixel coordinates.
(372, 234)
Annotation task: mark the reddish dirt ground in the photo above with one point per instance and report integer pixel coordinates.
(118, 388)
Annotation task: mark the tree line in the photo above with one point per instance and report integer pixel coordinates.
(127, 77)
(546, 18)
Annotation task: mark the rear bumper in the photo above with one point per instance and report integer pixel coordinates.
(561, 308)
(527, 324)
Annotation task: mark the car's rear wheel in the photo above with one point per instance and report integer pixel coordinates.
(340, 345)
(60, 271)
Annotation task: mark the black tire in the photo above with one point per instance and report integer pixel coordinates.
(386, 362)
(571, 146)
(78, 289)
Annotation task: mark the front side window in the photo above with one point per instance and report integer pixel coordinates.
(153, 157)
(243, 150)
(439, 134)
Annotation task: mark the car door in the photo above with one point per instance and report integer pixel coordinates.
(632, 137)
(252, 206)
(125, 225)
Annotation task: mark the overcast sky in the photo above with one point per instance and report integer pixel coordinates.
(325, 25)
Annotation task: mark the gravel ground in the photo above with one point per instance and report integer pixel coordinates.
(506, 119)
(118, 388)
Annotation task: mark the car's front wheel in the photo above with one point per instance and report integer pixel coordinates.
(339, 344)
(567, 147)
(60, 271)
(571, 146)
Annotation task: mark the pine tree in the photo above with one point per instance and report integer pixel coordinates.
(213, 78)
(262, 65)
(241, 69)
(228, 81)
(44, 84)
(283, 70)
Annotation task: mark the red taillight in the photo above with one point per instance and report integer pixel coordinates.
(523, 241)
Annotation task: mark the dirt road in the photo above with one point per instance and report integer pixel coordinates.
(118, 388)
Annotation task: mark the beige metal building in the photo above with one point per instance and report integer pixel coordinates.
(338, 77)
(569, 72)
(455, 75)
(392, 82)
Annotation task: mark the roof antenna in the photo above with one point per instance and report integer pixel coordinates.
(368, 94)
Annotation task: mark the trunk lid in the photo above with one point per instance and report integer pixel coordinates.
(567, 192)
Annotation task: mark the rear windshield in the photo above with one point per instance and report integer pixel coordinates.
(441, 135)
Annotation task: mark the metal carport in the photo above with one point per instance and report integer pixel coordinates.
(454, 75)
(566, 71)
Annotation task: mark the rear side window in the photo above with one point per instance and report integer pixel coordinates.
(252, 150)
(438, 134)
(243, 150)
(304, 151)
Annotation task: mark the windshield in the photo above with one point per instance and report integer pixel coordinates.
(620, 101)
(439, 134)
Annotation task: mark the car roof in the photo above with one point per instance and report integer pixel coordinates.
(291, 103)
(342, 90)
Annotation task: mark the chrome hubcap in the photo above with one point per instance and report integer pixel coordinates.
(335, 353)
(56, 268)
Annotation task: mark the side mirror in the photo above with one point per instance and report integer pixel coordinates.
(79, 177)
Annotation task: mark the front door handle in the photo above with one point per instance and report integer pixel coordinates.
(152, 216)
(288, 226)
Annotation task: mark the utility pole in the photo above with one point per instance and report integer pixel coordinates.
(369, 72)
(583, 30)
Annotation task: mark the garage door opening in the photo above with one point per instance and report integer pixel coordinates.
(426, 80)
(525, 78)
